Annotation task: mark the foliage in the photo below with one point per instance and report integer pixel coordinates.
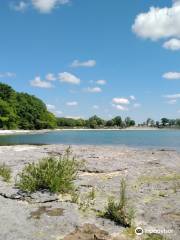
(5, 172)
(55, 174)
(117, 211)
(163, 123)
(23, 111)
(154, 236)
(95, 122)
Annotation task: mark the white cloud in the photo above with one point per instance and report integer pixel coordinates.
(101, 82)
(159, 23)
(7, 75)
(93, 89)
(20, 7)
(172, 101)
(72, 104)
(173, 44)
(75, 117)
(120, 107)
(50, 107)
(132, 97)
(120, 101)
(89, 63)
(136, 105)
(172, 96)
(58, 113)
(37, 82)
(53, 109)
(46, 6)
(96, 107)
(50, 77)
(68, 78)
(172, 75)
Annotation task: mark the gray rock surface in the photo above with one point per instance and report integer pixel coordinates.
(153, 178)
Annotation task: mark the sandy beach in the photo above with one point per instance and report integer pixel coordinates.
(153, 180)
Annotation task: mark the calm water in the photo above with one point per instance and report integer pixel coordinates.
(151, 139)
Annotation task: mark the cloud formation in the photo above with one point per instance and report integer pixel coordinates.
(19, 7)
(95, 107)
(173, 44)
(159, 23)
(101, 82)
(89, 63)
(72, 104)
(53, 109)
(50, 77)
(172, 96)
(120, 107)
(37, 82)
(172, 75)
(132, 97)
(120, 101)
(93, 89)
(46, 6)
(172, 101)
(43, 6)
(68, 78)
(50, 107)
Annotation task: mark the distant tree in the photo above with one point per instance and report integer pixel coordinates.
(178, 122)
(129, 122)
(110, 123)
(95, 121)
(117, 121)
(157, 124)
(164, 121)
(172, 122)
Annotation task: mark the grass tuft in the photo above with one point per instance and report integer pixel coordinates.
(117, 211)
(5, 172)
(55, 174)
(155, 236)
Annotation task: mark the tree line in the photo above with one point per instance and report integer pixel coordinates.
(95, 122)
(163, 123)
(24, 111)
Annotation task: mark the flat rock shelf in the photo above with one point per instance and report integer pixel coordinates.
(153, 190)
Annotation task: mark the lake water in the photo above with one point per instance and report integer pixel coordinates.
(151, 139)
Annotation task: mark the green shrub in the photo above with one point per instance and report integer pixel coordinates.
(117, 211)
(55, 174)
(5, 172)
(155, 236)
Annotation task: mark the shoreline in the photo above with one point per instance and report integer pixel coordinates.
(21, 132)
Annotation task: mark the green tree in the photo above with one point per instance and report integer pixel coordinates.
(117, 121)
(8, 119)
(164, 121)
(129, 122)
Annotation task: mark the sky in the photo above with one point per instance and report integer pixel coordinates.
(86, 57)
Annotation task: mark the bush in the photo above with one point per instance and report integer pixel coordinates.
(5, 172)
(117, 211)
(55, 174)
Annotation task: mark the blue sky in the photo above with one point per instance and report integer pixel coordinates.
(86, 57)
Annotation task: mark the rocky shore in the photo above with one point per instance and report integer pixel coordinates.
(153, 191)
